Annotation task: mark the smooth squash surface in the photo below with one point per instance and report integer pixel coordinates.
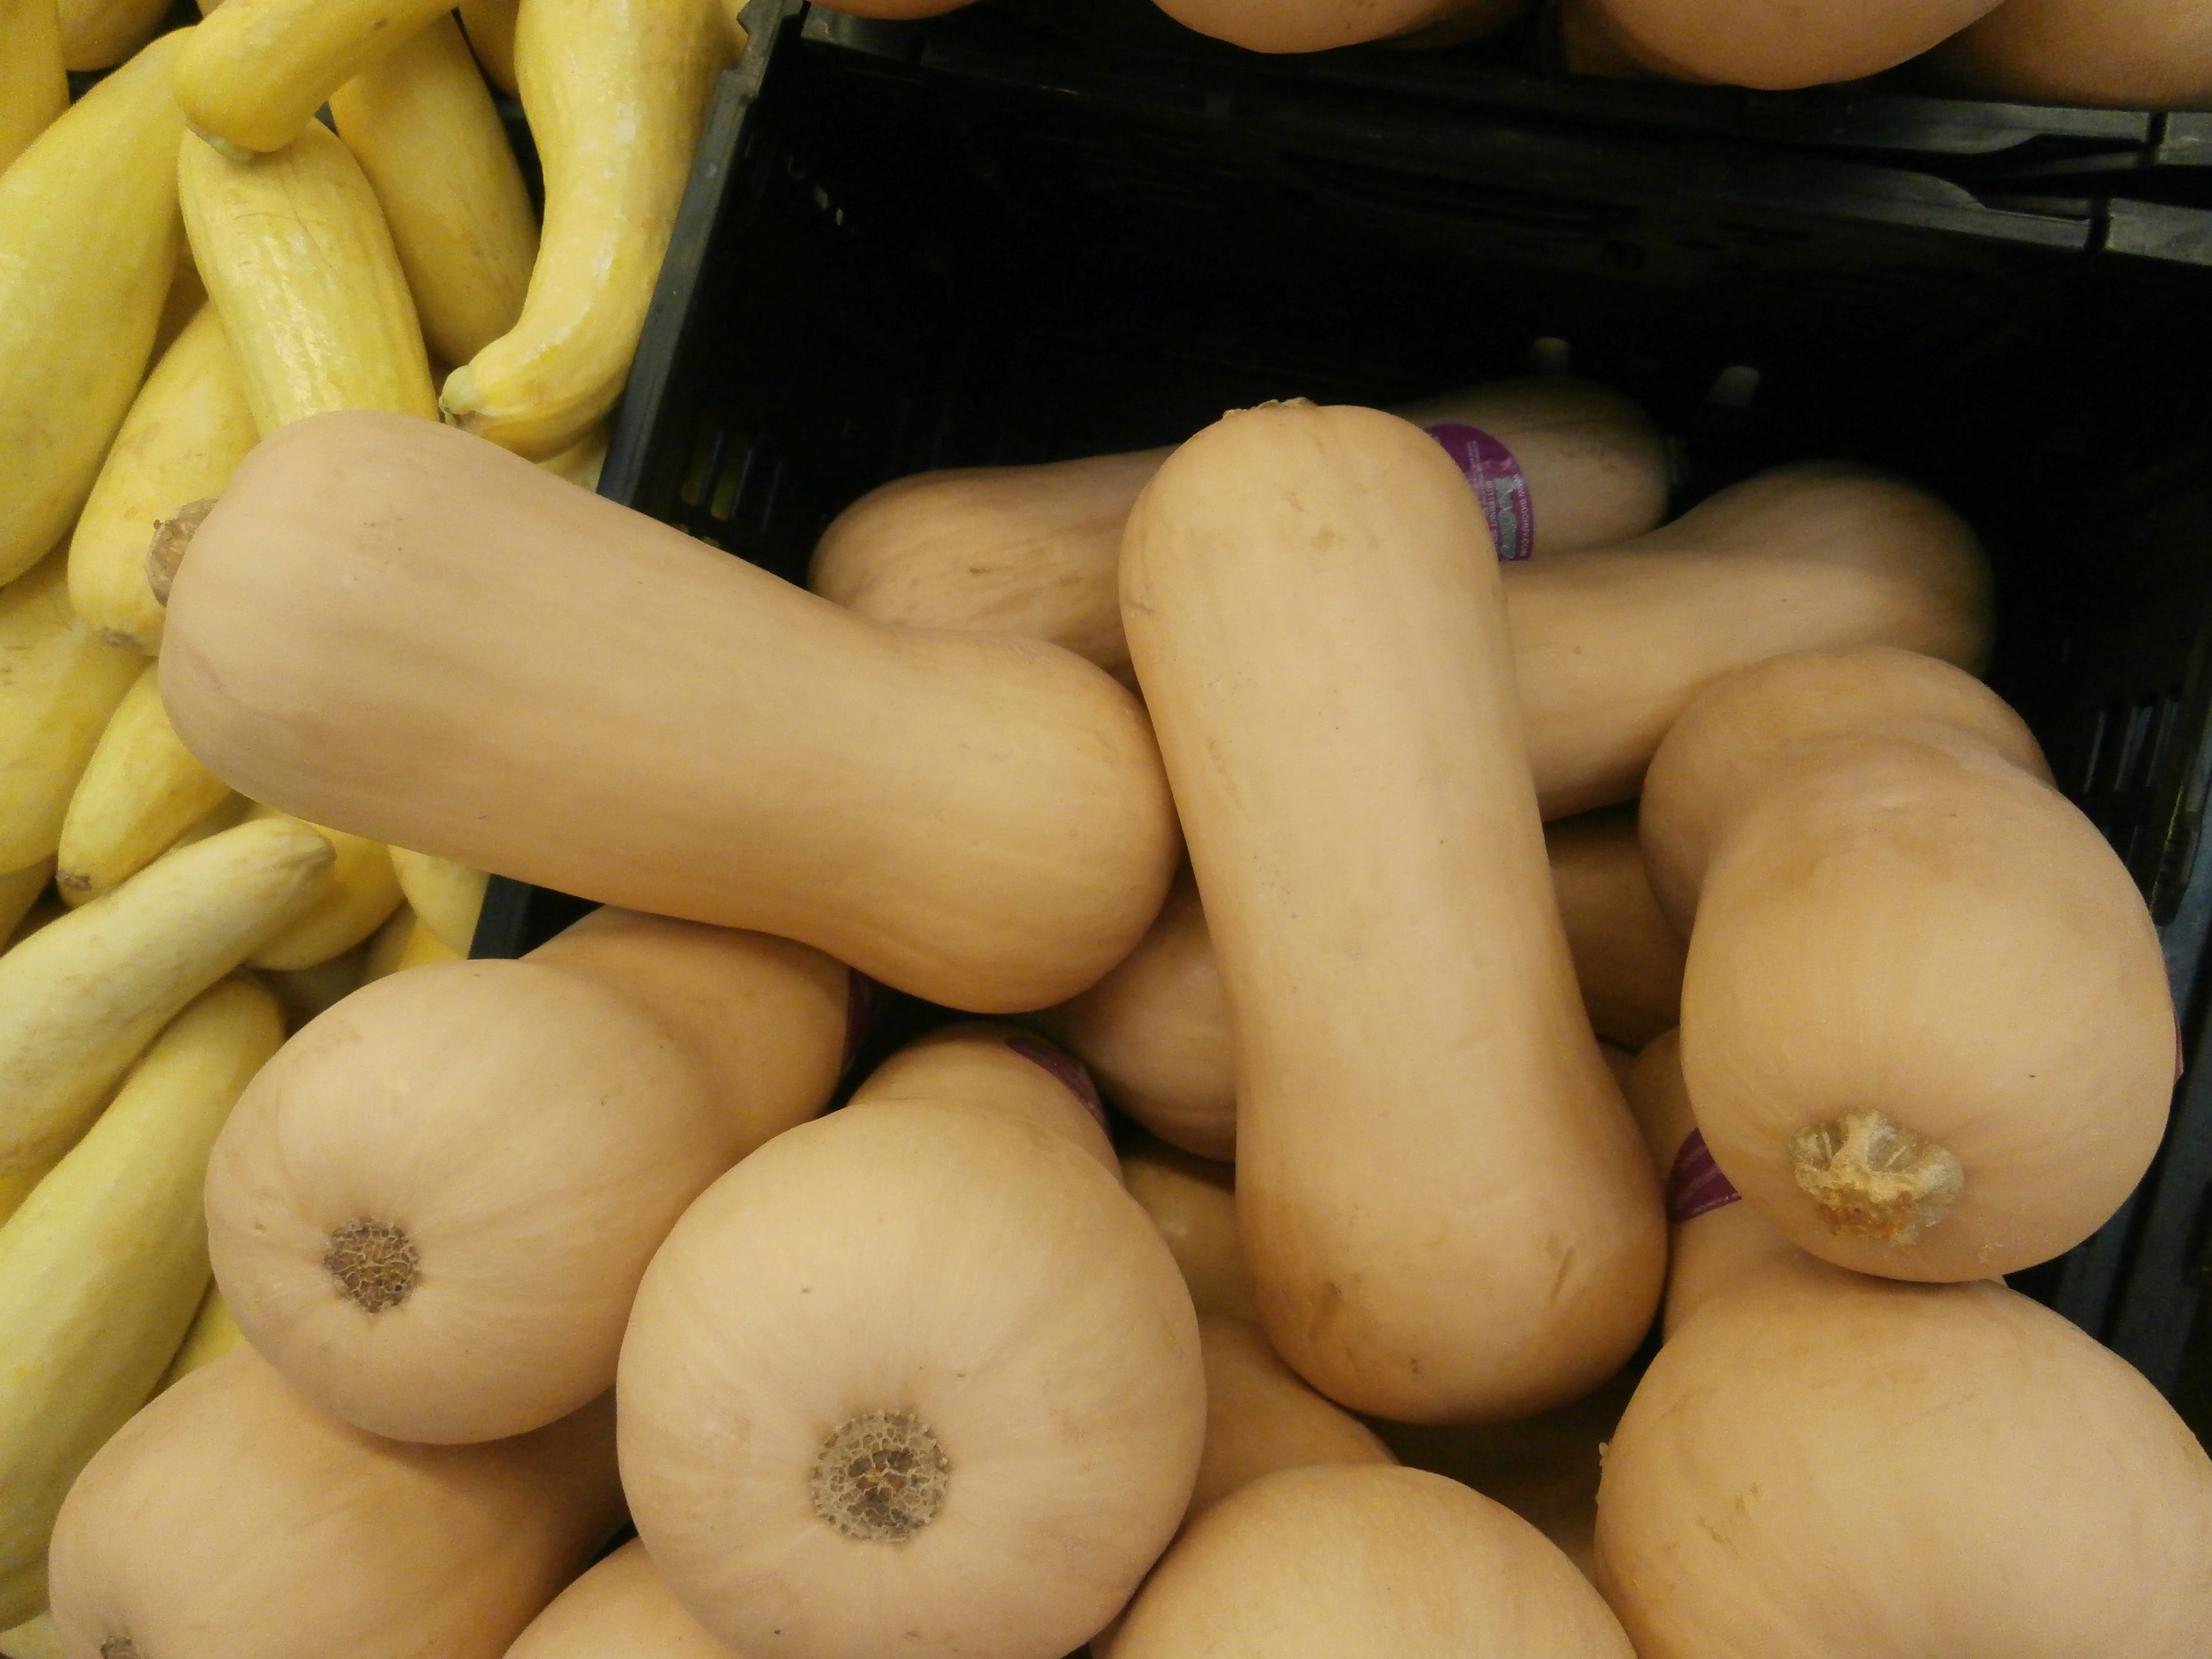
(998, 1068)
(1313, 609)
(1192, 1202)
(2134, 54)
(622, 1606)
(1778, 44)
(981, 820)
(1925, 1020)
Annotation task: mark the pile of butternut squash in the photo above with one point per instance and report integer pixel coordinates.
(1442, 929)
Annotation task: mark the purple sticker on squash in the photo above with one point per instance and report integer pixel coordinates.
(1064, 1066)
(1697, 1186)
(1498, 482)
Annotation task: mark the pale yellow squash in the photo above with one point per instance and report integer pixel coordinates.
(423, 126)
(490, 25)
(446, 895)
(212, 1334)
(431, 1212)
(1366, 1562)
(101, 1268)
(34, 89)
(89, 237)
(98, 35)
(362, 892)
(404, 941)
(140, 791)
(1925, 1022)
(1315, 613)
(622, 1606)
(300, 264)
(924, 1287)
(325, 1543)
(257, 70)
(1829, 1466)
(188, 427)
(19, 892)
(978, 819)
(35, 1638)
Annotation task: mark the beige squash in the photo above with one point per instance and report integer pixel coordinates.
(1628, 958)
(2134, 54)
(1366, 1562)
(1830, 1466)
(623, 1606)
(1260, 1417)
(916, 1374)
(1925, 1020)
(1771, 44)
(1035, 550)
(998, 1068)
(1313, 609)
(1192, 1202)
(431, 1212)
(981, 820)
(231, 1520)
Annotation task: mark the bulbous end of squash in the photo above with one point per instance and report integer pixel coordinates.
(1873, 1178)
(373, 1264)
(881, 1477)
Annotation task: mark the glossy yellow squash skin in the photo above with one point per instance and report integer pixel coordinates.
(1421, 1105)
(446, 895)
(88, 235)
(490, 27)
(361, 893)
(979, 819)
(34, 89)
(257, 70)
(141, 790)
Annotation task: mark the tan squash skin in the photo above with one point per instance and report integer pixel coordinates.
(230, 1520)
(1035, 550)
(1903, 931)
(994, 1291)
(979, 819)
(1628, 958)
(1421, 1106)
(1192, 1202)
(998, 1068)
(623, 1606)
(2129, 54)
(1775, 44)
(1260, 1417)
(1707, 1253)
(1366, 1562)
(510, 1141)
(1829, 1466)
(1318, 25)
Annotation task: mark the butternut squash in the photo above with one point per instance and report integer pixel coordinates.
(622, 1606)
(1774, 43)
(918, 1373)
(423, 126)
(996, 1068)
(979, 820)
(34, 89)
(1421, 1104)
(1319, 25)
(1260, 1417)
(1323, 1562)
(363, 891)
(141, 790)
(1714, 1238)
(1156, 1028)
(303, 992)
(326, 1542)
(88, 238)
(60, 682)
(1925, 1020)
(101, 1268)
(302, 266)
(1971, 1472)
(81, 998)
(257, 70)
(1035, 550)
(2132, 54)
(404, 942)
(1192, 1202)
(445, 1252)
(188, 427)
(616, 92)
(446, 895)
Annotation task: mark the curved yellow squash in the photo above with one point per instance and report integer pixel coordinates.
(142, 790)
(33, 89)
(258, 70)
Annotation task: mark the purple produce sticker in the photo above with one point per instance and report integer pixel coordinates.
(1499, 484)
(1065, 1066)
(1697, 1186)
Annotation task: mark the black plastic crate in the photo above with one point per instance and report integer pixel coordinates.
(895, 257)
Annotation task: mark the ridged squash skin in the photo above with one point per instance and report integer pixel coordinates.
(422, 124)
(1773, 45)
(1366, 1562)
(1314, 610)
(34, 89)
(258, 70)
(190, 424)
(1926, 1022)
(302, 266)
(622, 1606)
(141, 790)
(976, 1290)
(88, 236)
(328, 1543)
(60, 682)
(101, 1269)
(82, 998)
(978, 819)
(616, 92)
(2131, 54)
(1319, 25)
(521, 1136)
(1972, 1472)
(1037, 550)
